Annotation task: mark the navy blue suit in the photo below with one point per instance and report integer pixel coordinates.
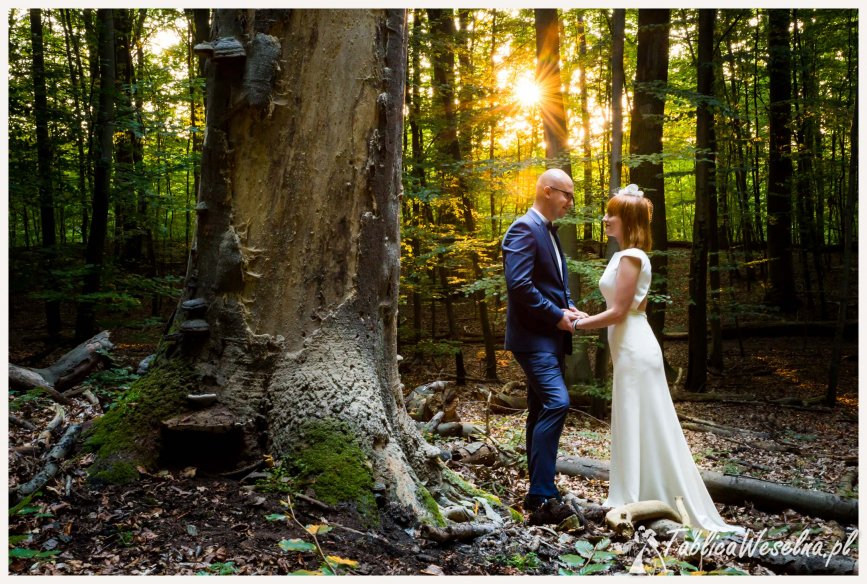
(537, 294)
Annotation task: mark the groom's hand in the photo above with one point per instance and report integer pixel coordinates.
(577, 313)
(565, 323)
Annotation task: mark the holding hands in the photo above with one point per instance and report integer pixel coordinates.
(570, 316)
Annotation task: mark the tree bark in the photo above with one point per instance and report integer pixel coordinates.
(93, 256)
(43, 159)
(296, 254)
(781, 275)
(696, 377)
(645, 143)
(557, 155)
(849, 228)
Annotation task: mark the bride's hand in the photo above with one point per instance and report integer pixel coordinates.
(581, 316)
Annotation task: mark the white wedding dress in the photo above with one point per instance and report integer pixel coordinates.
(650, 458)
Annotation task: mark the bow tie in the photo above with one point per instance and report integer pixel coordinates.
(551, 227)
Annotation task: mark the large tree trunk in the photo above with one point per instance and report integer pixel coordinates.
(296, 254)
(781, 275)
(648, 108)
(43, 159)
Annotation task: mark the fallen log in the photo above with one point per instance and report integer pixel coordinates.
(623, 519)
(716, 428)
(70, 369)
(735, 398)
(21, 422)
(736, 490)
(55, 455)
(476, 453)
(459, 532)
(458, 429)
(502, 403)
(44, 438)
(434, 422)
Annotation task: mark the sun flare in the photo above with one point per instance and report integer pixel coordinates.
(527, 91)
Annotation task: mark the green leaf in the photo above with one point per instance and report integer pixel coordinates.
(572, 560)
(275, 517)
(584, 548)
(326, 570)
(305, 573)
(22, 553)
(730, 571)
(296, 545)
(28, 553)
(593, 569)
(564, 572)
(777, 531)
(602, 555)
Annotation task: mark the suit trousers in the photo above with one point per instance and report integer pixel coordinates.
(548, 404)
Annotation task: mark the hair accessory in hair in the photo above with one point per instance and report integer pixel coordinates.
(631, 190)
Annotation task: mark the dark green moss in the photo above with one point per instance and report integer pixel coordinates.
(330, 461)
(127, 435)
(457, 481)
(435, 515)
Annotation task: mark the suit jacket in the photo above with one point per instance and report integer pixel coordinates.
(537, 292)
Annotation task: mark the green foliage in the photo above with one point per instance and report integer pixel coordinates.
(590, 558)
(110, 383)
(595, 389)
(520, 562)
(219, 569)
(35, 395)
(296, 545)
(28, 554)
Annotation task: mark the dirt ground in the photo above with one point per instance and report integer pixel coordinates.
(180, 521)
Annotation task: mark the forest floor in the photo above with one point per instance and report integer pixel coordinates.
(179, 521)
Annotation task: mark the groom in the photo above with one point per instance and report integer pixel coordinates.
(539, 321)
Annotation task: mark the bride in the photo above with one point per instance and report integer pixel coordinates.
(650, 458)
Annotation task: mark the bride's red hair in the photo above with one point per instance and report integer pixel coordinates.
(635, 213)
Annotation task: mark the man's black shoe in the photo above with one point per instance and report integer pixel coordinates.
(534, 502)
(552, 512)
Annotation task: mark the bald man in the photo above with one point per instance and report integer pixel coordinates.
(539, 320)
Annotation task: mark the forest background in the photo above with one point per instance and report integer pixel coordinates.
(118, 256)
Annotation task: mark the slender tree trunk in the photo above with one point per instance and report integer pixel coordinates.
(757, 146)
(781, 283)
(77, 82)
(417, 171)
(849, 226)
(696, 378)
(43, 159)
(645, 139)
(442, 26)
(104, 131)
(585, 126)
